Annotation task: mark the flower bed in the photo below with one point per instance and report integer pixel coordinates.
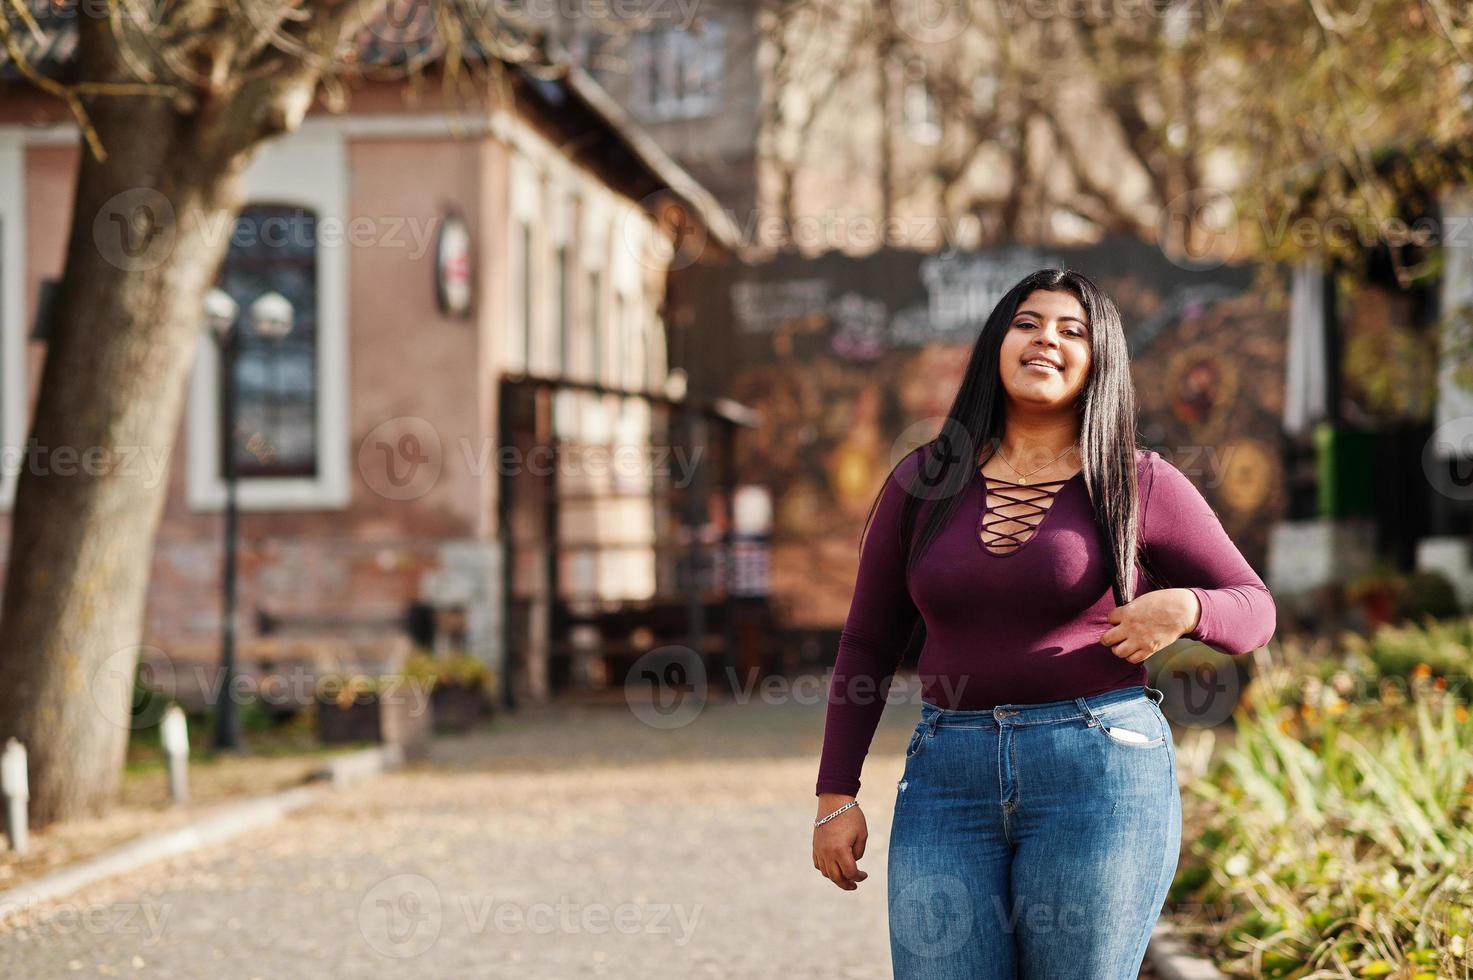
(1334, 836)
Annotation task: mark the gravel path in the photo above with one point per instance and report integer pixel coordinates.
(561, 843)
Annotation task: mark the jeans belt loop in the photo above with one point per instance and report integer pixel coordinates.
(1155, 695)
(1090, 720)
(931, 724)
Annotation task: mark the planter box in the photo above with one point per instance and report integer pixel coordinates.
(457, 708)
(398, 721)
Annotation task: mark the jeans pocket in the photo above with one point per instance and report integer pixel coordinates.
(917, 740)
(1138, 727)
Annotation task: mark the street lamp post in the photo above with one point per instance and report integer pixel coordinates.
(221, 314)
(270, 316)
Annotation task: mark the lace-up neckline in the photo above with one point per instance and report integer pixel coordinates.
(1005, 534)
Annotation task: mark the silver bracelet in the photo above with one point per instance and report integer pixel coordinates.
(823, 820)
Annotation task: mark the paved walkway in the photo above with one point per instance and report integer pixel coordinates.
(573, 842)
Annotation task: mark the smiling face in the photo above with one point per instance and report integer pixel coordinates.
(1050, 327)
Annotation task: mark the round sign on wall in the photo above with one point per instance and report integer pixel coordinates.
(454, 281)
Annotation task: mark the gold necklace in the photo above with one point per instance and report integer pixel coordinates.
(1025, 476)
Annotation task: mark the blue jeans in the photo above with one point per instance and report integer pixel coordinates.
(1034, 840)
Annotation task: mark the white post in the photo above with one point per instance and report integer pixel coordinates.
(16, 788)
(1454, 406)
(174, 733)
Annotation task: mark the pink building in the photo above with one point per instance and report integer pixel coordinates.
(424, 265)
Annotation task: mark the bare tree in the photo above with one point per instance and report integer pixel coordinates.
(1072, 112)
(173, 101)
(992, 83)
(806, 67)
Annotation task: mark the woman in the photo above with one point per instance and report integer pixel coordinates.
(1038, 823)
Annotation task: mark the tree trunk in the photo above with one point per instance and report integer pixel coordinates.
(888, 121)
(149, 229)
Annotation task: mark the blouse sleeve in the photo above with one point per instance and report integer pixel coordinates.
(881, 616)
(1185, 543)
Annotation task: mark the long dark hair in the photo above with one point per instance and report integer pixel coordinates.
(975, 423)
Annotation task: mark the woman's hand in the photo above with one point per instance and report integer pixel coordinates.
(1151, 621)
(838, 844)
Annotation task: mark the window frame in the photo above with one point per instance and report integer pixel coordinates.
(666, 59)
(307, 169)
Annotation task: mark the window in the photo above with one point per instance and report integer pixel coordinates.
(656, 363)
(270, 271)
(617, 327)
(921, 114)
(564, 322)
(638, 356)
(595, 325)
(676, 72)
(528, 327)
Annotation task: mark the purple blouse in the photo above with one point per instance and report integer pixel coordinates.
(1022, 627)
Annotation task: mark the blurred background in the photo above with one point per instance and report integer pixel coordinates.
(437, 437)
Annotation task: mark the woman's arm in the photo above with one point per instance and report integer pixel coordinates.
(1185, 543)
(881, 616)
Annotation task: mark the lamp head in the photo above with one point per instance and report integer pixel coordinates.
(220, 312)
(272, 315)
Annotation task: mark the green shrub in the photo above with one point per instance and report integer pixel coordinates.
(459, 670)
(1428, 594)
(1445, 646)
(1338, 838)
(1387, 592)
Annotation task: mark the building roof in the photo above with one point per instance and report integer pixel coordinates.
(575, 88)
(406, 36)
